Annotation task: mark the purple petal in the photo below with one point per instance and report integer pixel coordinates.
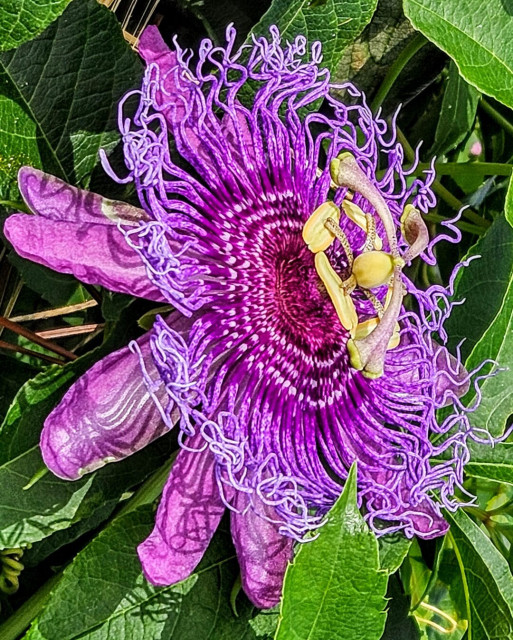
(453, 379)
(53, 198)
(105, 416)
(262, 551)
(94, 253)
(187, 517)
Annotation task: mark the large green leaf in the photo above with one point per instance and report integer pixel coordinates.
(485, 321)
(115, 601)
(457, 114)
(334, 589)
(58, 95)
(22, 20)
(487, 580)
(476, 35)
(335, 23)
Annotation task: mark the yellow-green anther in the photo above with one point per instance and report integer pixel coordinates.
(364, 220)
(315, 233)
(374, 268)
(341, 300)
(414, 231)
(346, 173)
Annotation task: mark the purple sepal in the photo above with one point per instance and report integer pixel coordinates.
(106, 415)
(263, 552)
(50, 197)
(94, 253)
(187, 517)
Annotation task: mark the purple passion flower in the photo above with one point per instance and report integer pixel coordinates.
(279, 236)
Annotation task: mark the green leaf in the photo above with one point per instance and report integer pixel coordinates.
(334, 589)
(476, 36)
(487, 580)
(129, 607)
(458, 112)
(58, 95)
(22, 20)
(334, 22)
(13, 374)
(491, 463)
(392, 551)
(485, 320)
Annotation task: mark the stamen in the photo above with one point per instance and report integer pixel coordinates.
(341, 300)
(368, 354)
(317, 235)
(366, 222)
(335, 229)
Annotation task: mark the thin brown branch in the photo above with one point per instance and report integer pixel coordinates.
(52, 313)
(65, 332)
(42, 356)
(33, 337)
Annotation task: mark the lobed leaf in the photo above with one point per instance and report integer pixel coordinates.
(22, 20)
(58, 95)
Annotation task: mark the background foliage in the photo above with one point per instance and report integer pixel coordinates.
(63, 67)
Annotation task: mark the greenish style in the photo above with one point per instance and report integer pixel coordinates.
(22, 20)
(486, 580)
(470, 32)
(335, 589)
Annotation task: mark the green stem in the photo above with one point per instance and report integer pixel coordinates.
(496, 115)
(413, 46)
(12, 204)
(464, 582)
(440, 190)
(20, 620)
(464, 168)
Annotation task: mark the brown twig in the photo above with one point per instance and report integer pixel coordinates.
(16, 347)
(64, 332)
(33, 337)
(52, 313)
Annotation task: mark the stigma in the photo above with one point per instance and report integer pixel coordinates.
(371, 337)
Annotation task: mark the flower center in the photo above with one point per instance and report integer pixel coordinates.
(371, 269)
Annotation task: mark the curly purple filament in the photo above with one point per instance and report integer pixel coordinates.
(264, 374)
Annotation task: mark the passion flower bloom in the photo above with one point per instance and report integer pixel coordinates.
(280, 235)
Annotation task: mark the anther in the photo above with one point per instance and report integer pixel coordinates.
(317, 235)
(344, 306)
